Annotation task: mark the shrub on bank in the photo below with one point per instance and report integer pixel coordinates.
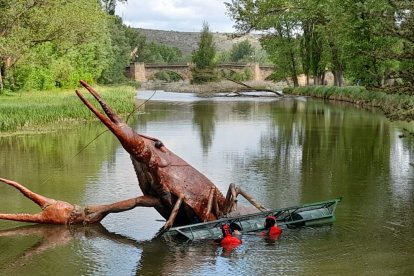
(205, 75)
(395, 106)
(36, 110)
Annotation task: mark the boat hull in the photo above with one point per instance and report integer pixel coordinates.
(313, 214)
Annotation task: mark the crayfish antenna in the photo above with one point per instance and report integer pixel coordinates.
(130, 140)
(122, 131)
(40, 200)
(108, 110)
(36, 218)
(111, 125)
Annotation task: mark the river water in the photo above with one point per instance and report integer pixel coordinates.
(284, 152)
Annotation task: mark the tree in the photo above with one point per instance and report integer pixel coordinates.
(399, 25)
(159, 53)
(364, 44)
(109, 5)
(281, 27)
(241, 50)
(120, 50)
(204, 58)
(45, 39)
(346, 36)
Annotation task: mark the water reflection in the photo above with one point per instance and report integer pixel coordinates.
(91, 244)
(204, 118)
(48, 240)
(401, 172)
(283, 152)
(48, 163)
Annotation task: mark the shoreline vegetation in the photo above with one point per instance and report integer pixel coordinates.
(28, 112)
(394, 106)
(47, 110)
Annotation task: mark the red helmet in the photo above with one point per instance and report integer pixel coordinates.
(225, 229)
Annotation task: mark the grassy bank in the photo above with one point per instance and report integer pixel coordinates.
(31, 111)
(395, 107)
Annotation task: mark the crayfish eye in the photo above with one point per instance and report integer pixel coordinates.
(158, 144)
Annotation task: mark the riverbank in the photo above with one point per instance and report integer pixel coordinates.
(209, 89)
(46, 110)
(394, 106)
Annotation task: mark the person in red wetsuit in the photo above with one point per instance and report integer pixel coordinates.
(235, 230)
(272, 230)
(228, 241)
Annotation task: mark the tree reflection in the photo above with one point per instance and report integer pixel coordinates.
(315, 150)
(205, 118)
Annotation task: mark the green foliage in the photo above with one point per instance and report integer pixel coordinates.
(52, 40)
(365, 41)
(204, 58)
(109, 5)
(122, 41)
(281, 21)
(152, 52)
(241, 51)
(167, 76)
(284, 53)
(366, 45)
(27, 111)
(260, 56)
(159, 53)
(205, 75)
(137, 42)
(397, 107)
(246, 75)
(52, 43)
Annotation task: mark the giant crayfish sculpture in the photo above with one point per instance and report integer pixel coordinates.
(179, 192)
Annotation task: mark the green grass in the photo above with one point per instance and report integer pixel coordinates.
(394, 106)
(38, 111)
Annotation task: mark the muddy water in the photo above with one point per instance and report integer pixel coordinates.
(283, 152)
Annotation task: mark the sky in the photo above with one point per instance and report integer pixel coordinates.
(176, 15)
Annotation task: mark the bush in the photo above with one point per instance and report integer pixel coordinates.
(167, 76)
(204, 75)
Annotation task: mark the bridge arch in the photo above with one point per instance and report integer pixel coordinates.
(154, 74)
(142, 72)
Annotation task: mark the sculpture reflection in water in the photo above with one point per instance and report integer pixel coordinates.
(154, 257)
(53, 236)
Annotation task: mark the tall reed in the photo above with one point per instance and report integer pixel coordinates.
(43, 110)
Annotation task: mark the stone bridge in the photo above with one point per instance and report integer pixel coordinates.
(142, 72)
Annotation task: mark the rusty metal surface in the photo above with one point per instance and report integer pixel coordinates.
(160, 172)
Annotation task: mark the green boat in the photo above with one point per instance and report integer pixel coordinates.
(312, 214)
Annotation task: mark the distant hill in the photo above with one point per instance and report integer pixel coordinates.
(188, 41)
